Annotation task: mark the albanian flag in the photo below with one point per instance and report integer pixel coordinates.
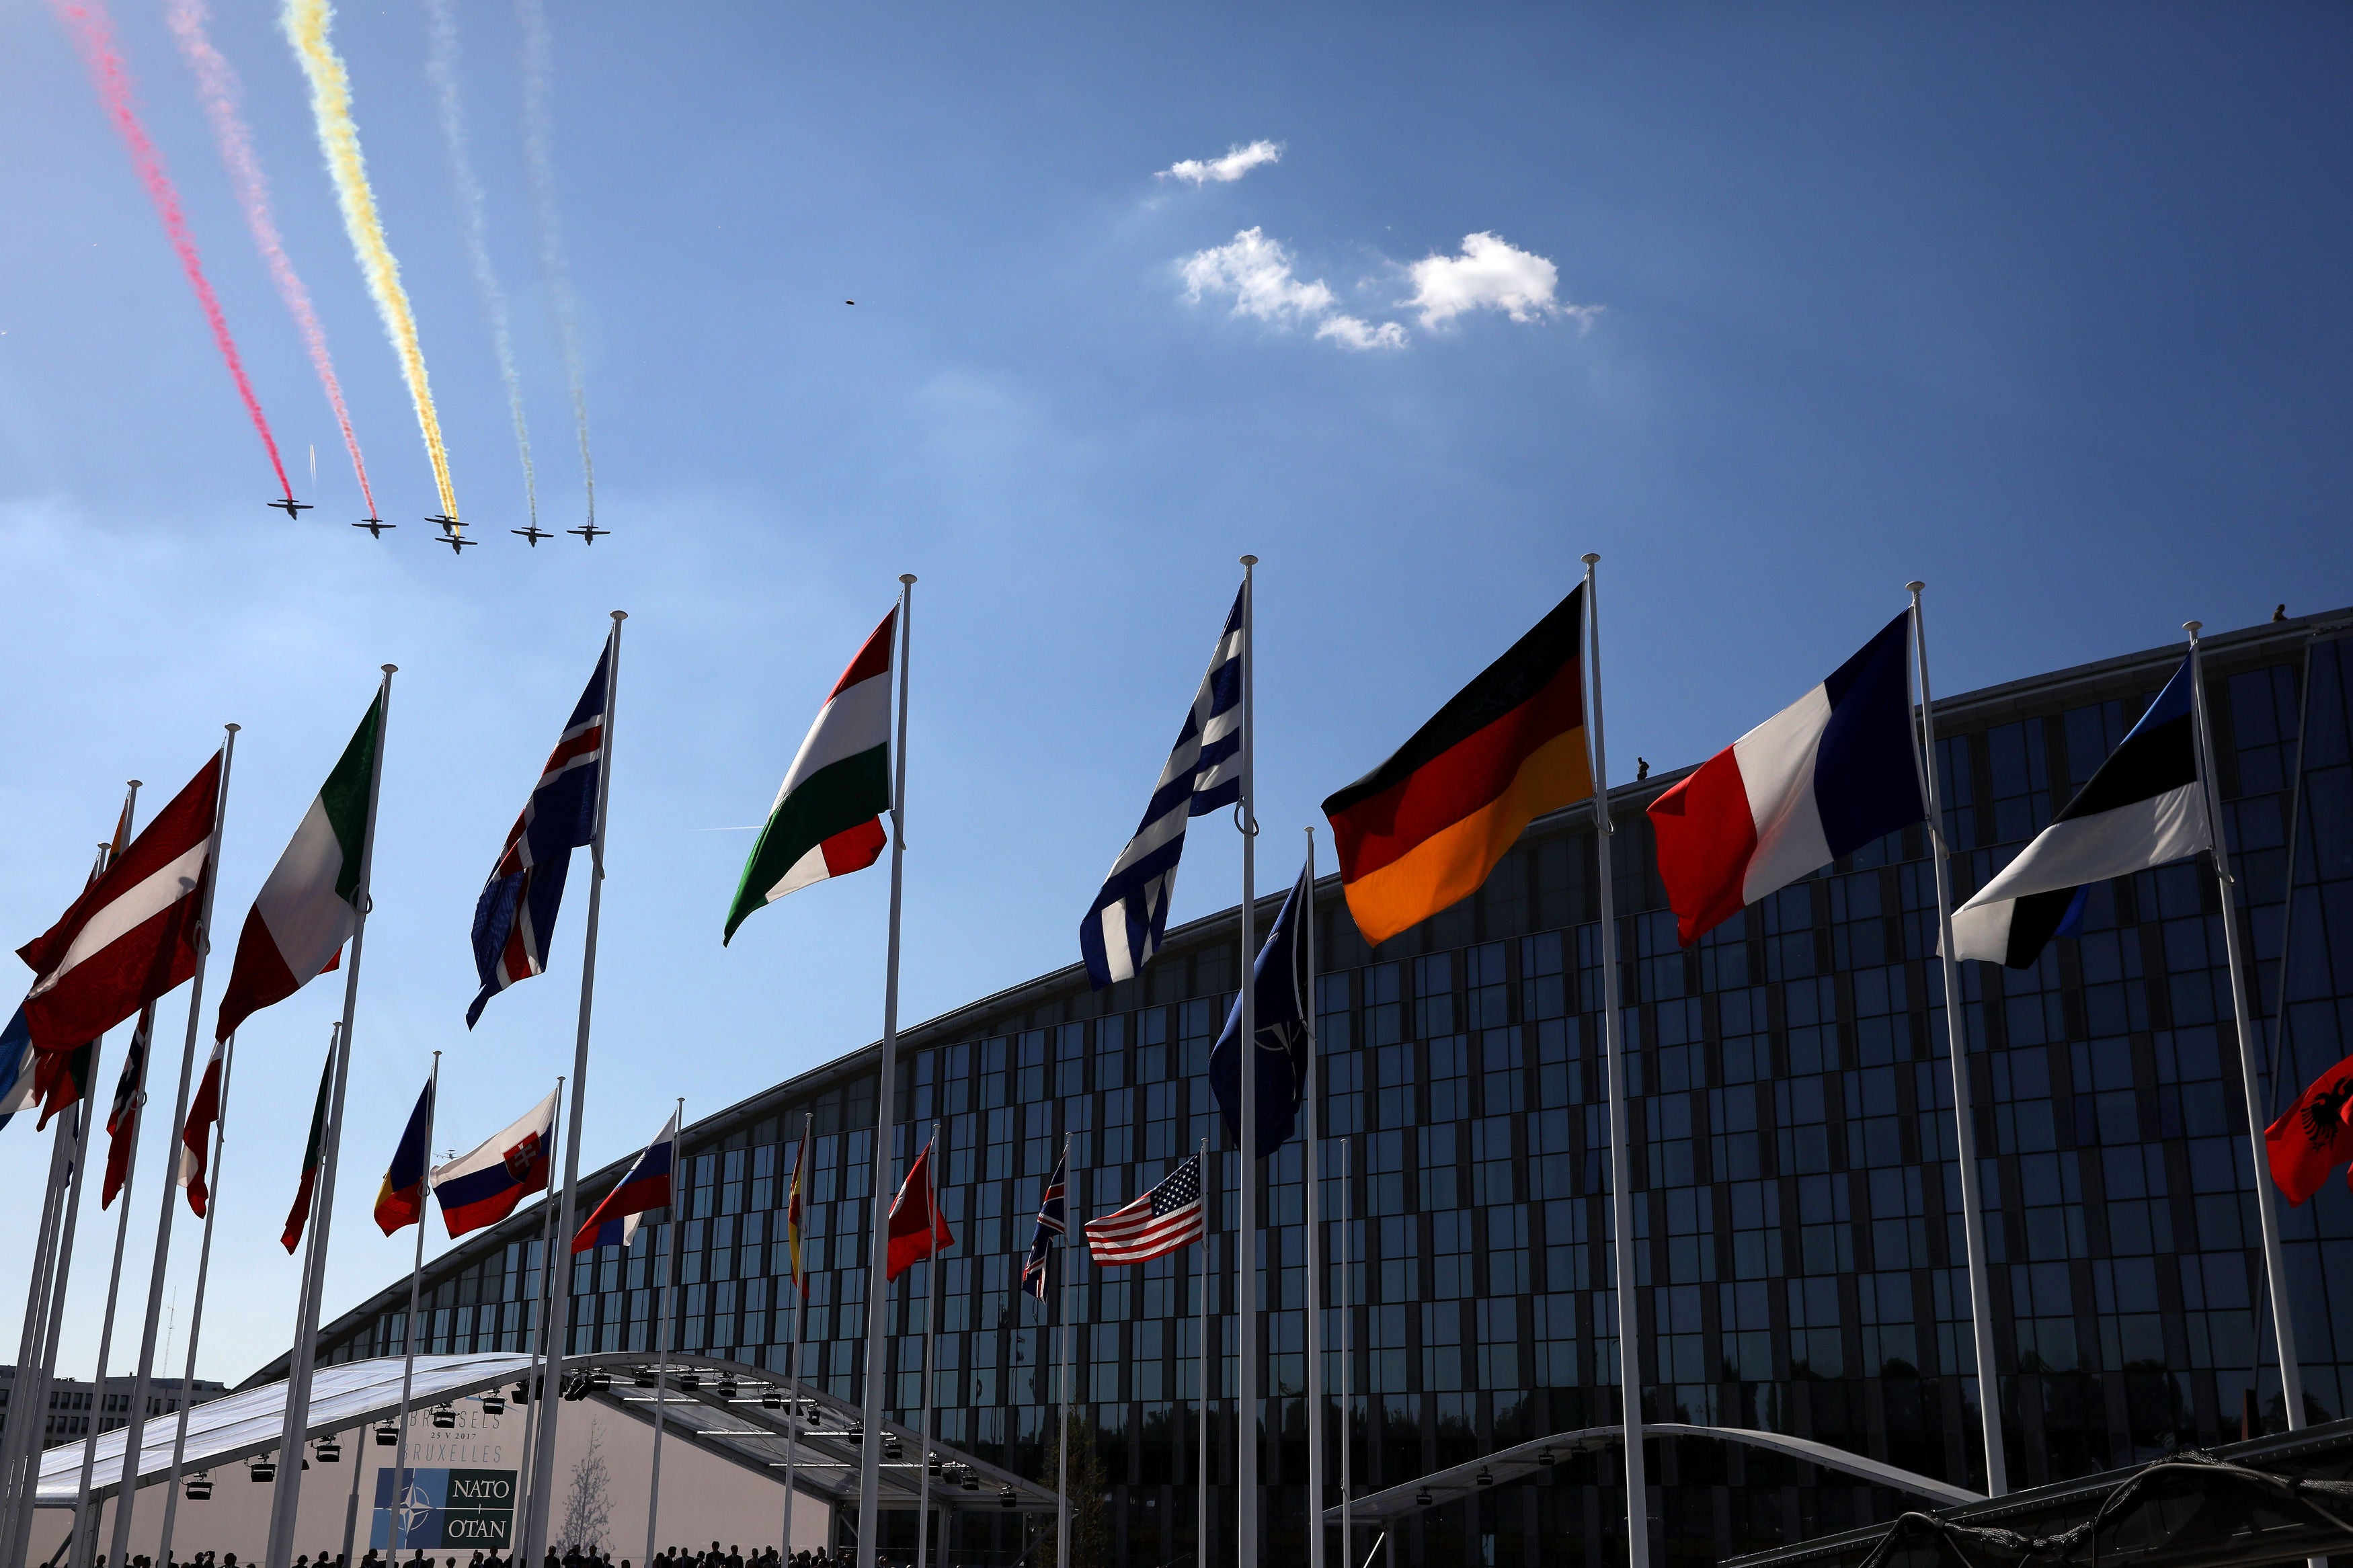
(917, 1228)
(2313, 1138)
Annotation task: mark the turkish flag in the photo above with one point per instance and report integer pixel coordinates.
(2313, 1138)
(918, 1229)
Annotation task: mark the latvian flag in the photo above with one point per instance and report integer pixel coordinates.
(647, 1186)
(1823, 777)
(1422, 831)
(483, 1187)
(1168, 1217)
(2143, 807)
(826, 820)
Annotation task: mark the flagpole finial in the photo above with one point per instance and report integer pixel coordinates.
(2192, 628)
(1591, 558)
(907, 577)
(1914, 586)
(1249, 560)
(232, 729)
(389, 668)
(620, 616)
(135, 784)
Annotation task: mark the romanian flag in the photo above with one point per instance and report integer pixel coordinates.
(401, 1200)
(1422, 832)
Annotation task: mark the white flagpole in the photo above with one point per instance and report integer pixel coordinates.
(930, 1326)
(536, 1338)
(1316, 1416)
(1063, 1446)
(560, 1291)
(869, 1504)
(37, 1296)
(1201, 1348)
(1621, 1197)
(793, 1357)
(134, 1429)
(1245, 1262)
(84, 1117)
(196, 1313)
(1347, 1361)
(399, 1532)
(2266, 1205)
(87, 1516)
(1956, 1047)
(287, 1497)
(661, 1339)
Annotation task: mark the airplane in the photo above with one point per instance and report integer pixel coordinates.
(290, 506)
(375, 526)
(448, 524)
(531, 535)
(589, 534)
(458, 542)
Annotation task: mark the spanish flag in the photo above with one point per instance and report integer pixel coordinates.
(1422, 832)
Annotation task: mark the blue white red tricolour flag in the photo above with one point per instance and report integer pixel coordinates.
(647, 1186)
(483, 1187)
(1823, 777)
(1053, 1220)
(514, 919)
(18, 1091)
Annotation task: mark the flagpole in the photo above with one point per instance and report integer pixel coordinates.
(662, 1333)
(1245, 1262)
(537, 1340)
(793, 1363)
(196, 1313)
(869, 1504)
(86, 1517)
(1956, 1047)
(1315, 1282)
(2275, 1259)
(398, 1534)
(1063, 1446)
(1201, 1348)
(559, 1291)
(37, 1296)
(1621, 1197)
(1347, 1361)
(57, 1307)
(931, 1325)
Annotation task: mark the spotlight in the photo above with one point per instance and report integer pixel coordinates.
(689, 1380)
(1007, 1500)
(1421, 1499)
(386, 1435)
(1544, 1458)
(264, 1470)
(444, 1417)
(330, 1451)
(772, 1400)
(727, 1388)
(646, 1377)
(970, 1483)
(1483, 1479)
(199, 1487)
(600, 1382)
(891, 1450)
(494, 1404)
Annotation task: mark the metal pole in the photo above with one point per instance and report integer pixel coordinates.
(196, 1312)
(398, 1534)
(1957, 1047)
(2279, 1068)
(930, 1326)
(1315, 1283)
(86, 1514)
(84, 1117)
(661, 1331)
(869, 1502)
(351, 1501)
(1347, 1360)
(1622, 1195)
(2275, 1259)
(560, 1287)
(1063, 1446)
(535, 1336)
(1201, 1323)
(1246, 1264)
(36, 1295)
(793, 1362)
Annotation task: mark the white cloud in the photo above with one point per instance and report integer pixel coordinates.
(1256, 273)
(1490, 275)
(1224, 171)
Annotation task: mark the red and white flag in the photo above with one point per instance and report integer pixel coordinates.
(196, 1142)
(131, 936)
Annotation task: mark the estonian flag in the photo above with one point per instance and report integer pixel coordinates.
(2144, 807)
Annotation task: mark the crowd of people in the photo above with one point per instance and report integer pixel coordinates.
(675, 1557)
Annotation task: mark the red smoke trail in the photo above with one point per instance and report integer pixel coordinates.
(93, 33)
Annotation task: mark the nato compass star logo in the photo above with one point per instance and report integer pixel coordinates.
(415, 1508)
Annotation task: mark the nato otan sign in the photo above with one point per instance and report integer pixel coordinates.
(443, 1507)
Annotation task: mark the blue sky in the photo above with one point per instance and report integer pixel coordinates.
(2045, 307)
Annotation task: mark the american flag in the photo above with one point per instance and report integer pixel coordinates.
(1168, 1217)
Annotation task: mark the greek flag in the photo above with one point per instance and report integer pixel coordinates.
(1123, 926)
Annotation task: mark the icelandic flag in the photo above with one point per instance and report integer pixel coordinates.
(483, 1187)
(18, 1091)
(647, 1186)
(1053, 1220)
(514, 919)
(2143, 807)
(1823, 777)
(401, 1200)
(1280, 984)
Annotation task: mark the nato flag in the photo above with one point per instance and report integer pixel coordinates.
(1280, 984)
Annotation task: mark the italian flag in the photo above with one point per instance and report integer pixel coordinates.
(308, 908)
(828, 818)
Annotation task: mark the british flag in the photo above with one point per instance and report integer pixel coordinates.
(1053, 1220)
(514, 920)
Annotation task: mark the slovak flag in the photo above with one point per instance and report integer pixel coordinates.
(483, 1187)
(1823, 777)
(647, 1186)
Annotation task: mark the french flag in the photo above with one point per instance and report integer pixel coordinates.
(647, 1186)
(1823, 777)
(483, 1187)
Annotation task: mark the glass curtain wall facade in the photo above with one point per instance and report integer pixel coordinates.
(1800, 1263)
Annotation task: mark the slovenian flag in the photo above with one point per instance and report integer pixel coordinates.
(647, 1186)
(826, 820)
(483, 1187)
(2143, 807)
(401, 1200)
(1823, 777)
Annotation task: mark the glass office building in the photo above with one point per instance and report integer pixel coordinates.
(1798, 1218)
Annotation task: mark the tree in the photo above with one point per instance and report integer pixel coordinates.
(1091, 1536)
(588, 1504)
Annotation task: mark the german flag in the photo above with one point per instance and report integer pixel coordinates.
(1422, 831)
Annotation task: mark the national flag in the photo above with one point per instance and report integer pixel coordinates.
(401, 1200)
(917, 1230)
(2143, 807)
(1172, 1214)
(18, 1088)
(1279, 985)
(514, 917)
(1053, 1220)
(55, 1079)
(314, 1152)
(123, 1117)
(195, 1138)
(1832, 772)
(827, 819)
(647, 1186)
(131, 936)
(2313, 1138)
(1422, 832)
(1204, 774)
(484, 1186)
(309, 905)
(794, 1216)
(62, 1078)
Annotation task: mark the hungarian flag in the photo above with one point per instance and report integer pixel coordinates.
(2312, 1138)
(131, 936)
(314, 1151)
(917, 1228)
(1830, 773)
(794, 1216)
(308, 906)
(195, 1139)
(828, 818)
(401, 1200)
(1422, 832)
(123, 1117)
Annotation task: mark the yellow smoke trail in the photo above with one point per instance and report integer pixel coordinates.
(306, 23)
